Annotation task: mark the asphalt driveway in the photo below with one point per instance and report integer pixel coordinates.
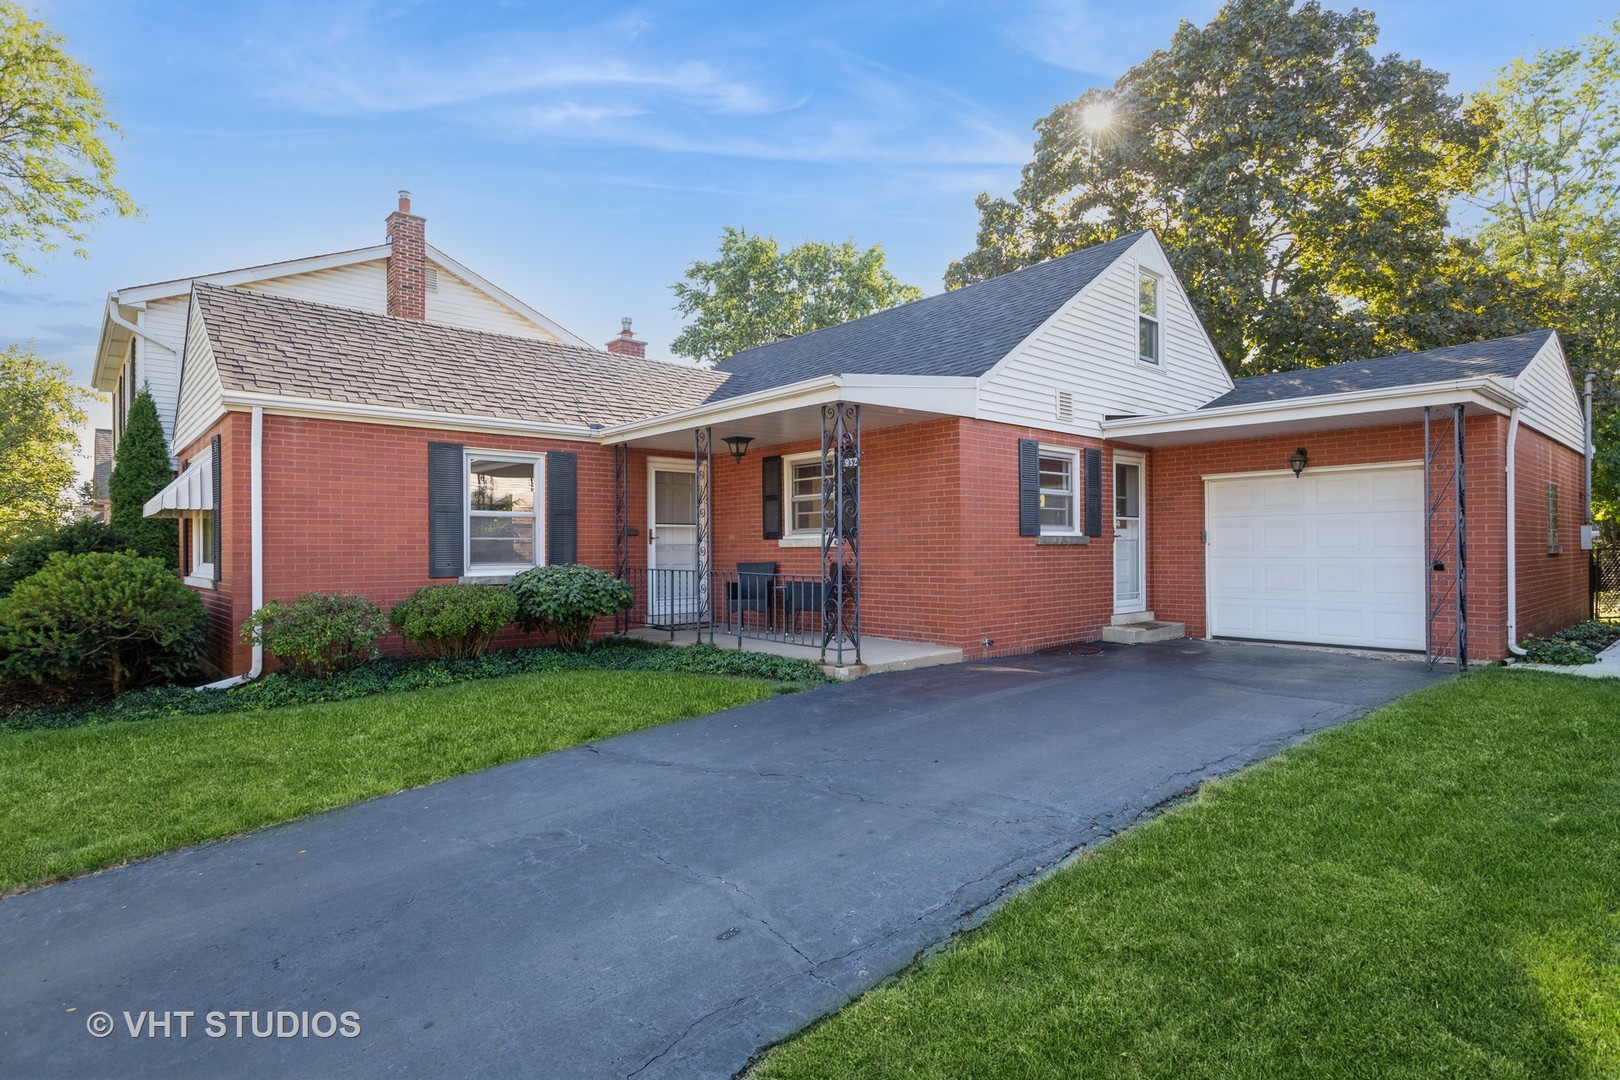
(664, 904)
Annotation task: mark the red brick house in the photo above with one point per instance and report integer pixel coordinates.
(1050, 456)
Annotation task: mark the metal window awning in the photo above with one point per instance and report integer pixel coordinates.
(191, 491)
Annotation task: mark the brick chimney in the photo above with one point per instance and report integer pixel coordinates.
(626, 344)
(407, 296)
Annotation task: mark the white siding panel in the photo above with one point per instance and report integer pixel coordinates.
(155, 368)
(363, 286)
(457, 303)
(1552, 405)
(200, 391)
(1089, 349)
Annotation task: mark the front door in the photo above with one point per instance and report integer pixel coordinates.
(672, 592)
(1129, 565)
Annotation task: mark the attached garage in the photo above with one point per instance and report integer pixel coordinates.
(1329, 557)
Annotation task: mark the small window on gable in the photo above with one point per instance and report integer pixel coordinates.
(1553, 546)
(1060, 485)
(1147, 305)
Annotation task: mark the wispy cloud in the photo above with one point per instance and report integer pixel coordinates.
(1101, 39)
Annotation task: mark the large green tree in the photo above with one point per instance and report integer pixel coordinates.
(1550, 212)
(141, 470)
(754, 292)
(41, 411)
(56, 171)
(1299, 182)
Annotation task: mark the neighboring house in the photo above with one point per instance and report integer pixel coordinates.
(101, 500)
(1021, 463)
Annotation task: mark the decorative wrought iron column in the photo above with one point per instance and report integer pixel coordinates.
(1445, 534)
(621, 525)
(702, 469)
(840, 531)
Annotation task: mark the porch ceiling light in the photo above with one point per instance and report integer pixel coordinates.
(1297, 462)
(738, 445)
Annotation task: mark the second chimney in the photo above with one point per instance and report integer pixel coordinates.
(407, 296)
(626, 344)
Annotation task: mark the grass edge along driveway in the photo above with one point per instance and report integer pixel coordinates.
(86, 798)
(1432, 890)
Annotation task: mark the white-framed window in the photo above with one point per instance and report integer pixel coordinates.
(1060, 491)
(1147, 318)
(504, 527)
(801, 480)
(199, 549)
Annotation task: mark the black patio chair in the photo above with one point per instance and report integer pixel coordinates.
(752, 589)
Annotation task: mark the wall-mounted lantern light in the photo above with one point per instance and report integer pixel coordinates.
(738, 445)
(1297, 462)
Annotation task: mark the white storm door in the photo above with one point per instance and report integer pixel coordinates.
(1330, 557)
(1130, 567)
(672, 592)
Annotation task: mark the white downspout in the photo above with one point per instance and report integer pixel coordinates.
(118, 320)
(1513, 537)
(256, 532)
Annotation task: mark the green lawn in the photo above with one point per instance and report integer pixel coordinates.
(1432, 891)
(88, 797)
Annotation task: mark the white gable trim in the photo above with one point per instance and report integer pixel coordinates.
(141, 294)
(505, 299)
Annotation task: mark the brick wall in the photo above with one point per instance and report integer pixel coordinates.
(1551, 591)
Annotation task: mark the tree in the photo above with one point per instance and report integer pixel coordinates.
(56, 172)
(40, 414)
(1299, 183)
(141, 470)
(1550, 202)
(755, 293)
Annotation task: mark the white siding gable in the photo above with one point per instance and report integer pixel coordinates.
(1088, 349)
(454, 302)
(362, 286)
(156, 368)
(200, 391)
(1551, 404)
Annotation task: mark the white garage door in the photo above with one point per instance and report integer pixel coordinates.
(1333, 557)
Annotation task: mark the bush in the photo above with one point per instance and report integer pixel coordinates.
(141, 470)
(319, 633)
(453, 620)
(1551, 651)
(116, 620)
(82, 536)
(565, 600)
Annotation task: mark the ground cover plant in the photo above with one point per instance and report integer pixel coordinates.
(80, 799)
(1578, 644)
(392, 675)
(1431, 891)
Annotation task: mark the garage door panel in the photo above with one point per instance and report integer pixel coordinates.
(1330, 558)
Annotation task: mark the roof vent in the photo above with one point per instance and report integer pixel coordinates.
(1065, 405)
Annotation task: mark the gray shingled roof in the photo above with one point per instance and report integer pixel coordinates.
(275, 345)
(1502, 356)
(963, 332)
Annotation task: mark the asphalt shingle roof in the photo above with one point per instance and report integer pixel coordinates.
(275, 345)
(1503, 356)
(963, 332)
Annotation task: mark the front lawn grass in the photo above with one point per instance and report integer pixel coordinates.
(1431, 891)
(88, 797)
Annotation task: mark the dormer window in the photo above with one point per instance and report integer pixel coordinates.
(1148, 317)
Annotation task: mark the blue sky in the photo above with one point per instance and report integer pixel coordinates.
(580, 155)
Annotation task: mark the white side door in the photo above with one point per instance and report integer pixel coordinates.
(672, 593)
(1130, 564)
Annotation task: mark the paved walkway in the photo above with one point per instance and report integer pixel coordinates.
(663, 904)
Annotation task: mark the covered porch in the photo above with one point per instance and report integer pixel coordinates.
(742, 523)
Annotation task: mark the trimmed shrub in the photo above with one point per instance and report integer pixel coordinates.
(113, 620)
(76, 538)
(318, 633)
(565, 600)
(453, 620)
(141, 470)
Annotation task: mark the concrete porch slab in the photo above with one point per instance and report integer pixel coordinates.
(877, 654)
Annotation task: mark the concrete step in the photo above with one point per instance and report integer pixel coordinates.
(1131, 617)
(1144, 632)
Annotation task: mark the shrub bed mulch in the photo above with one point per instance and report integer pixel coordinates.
(396, 674)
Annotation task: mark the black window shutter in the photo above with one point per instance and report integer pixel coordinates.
(1029, 487)
(562, 508)
(770, 487)
(447, 509)
(1093, 492)
(214, 554)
